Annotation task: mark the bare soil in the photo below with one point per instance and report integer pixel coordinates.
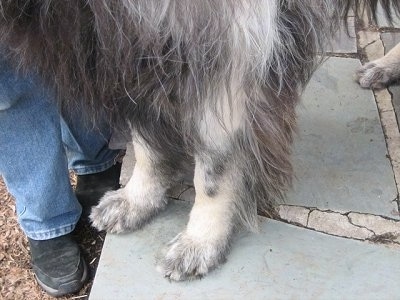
(16, 276)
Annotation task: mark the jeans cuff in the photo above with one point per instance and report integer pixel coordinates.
(52, 233)
(85, 170)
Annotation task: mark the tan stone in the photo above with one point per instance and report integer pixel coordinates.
(383, 100)
(377, 224)
(371, 42)
(294, 214)
(336, 224)
(392, 135)
(367, 37)
(375, 50)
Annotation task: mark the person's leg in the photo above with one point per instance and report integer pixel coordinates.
(32, 158)
(86, 144)
(38, 145)
(36, 149)
(34, 166)
(98, 167)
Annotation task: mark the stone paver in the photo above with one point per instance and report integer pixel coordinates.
(337, 224)
(345, 41)
(340, 155)
(367, 38)
(376, 224)
(279, 262)
(294, 214)
(353, 225)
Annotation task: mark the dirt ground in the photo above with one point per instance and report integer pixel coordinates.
(16, 277)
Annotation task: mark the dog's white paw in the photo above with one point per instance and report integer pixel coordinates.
(185, 258)
(371, 75)
(117, 213)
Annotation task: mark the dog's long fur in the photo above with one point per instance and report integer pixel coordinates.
(213, 81)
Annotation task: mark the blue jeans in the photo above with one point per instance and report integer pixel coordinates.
(36, 149)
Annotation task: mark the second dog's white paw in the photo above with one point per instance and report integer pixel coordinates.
(371, 75)
(116, 213)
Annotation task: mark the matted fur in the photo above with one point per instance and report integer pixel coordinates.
(215, 82)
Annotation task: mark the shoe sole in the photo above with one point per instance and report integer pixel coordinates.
(67, 288)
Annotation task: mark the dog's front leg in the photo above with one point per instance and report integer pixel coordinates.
(205, 242)
(219, 183)
(142, 198)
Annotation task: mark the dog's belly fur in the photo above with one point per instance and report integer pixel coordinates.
(211, 82)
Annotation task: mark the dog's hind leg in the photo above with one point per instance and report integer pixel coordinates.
(381, 72)
(142, 198)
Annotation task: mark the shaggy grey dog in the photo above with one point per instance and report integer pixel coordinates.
(211, 84)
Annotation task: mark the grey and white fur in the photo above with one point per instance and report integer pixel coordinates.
(211, 84)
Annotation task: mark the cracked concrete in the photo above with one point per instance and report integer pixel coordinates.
(368, 38)
(337, 224)
(354, 224)
(377, 224)
(350, 225)
(296, 215)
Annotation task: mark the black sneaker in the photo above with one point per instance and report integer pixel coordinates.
(58, 264)
(90, 188)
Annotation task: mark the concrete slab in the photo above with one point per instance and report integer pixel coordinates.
(280, 262)
(390, 39)
(345, 41)
(340, 153)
